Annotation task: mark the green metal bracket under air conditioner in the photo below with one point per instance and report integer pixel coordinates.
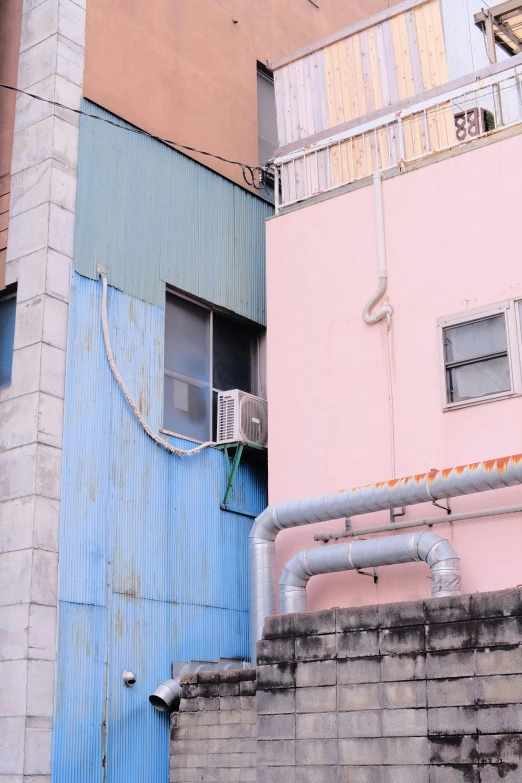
(232, 468)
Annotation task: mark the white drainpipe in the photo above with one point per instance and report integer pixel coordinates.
(422, 488)
(386, 310)
(375, 552)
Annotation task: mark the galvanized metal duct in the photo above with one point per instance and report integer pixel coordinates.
(436, 551)
(422, 488)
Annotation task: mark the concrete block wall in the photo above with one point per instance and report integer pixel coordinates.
(421, 692)
(39, 256)
(213, 736)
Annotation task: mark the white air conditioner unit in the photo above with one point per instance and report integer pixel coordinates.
(241, 417)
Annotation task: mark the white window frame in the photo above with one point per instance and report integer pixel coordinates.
(210, 385)
(510, 310)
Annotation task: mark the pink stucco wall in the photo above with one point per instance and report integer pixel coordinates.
(453, 244)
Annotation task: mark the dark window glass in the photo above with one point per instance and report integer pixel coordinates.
(187, 338)
(234, 355)
(7, 329)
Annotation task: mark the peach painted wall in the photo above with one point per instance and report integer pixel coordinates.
(452, 237)
(183, 70)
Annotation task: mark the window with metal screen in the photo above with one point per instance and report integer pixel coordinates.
(205, 352)
(476, 359)
(7, 330)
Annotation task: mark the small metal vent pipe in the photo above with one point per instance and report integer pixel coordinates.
(166, 696)
(436, 551)
(422, 488)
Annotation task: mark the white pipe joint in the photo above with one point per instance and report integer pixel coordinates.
(386, 310)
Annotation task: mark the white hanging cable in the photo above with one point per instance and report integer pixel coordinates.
(121, 383)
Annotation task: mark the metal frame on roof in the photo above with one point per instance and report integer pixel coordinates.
(502, 26)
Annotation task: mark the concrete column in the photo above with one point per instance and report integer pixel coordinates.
(39, 255)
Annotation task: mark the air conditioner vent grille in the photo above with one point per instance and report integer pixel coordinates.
(254, 424)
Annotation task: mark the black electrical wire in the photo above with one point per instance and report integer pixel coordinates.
(254, 176)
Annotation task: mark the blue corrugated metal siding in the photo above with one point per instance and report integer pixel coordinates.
(151, 569)
(152, 216)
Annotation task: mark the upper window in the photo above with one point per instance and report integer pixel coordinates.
(7, 329)
(481, 355)
(205, 352)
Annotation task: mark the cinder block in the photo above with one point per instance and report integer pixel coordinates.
(357, 618)
(452, 720)
(459, 692)
(302, 624)
(46, 517)
(493, 773)
(229, 703)
(13, 622)
(315, 699)
(450, 663)
(502, 660)
(316, 725)
(212, 676)
(404, 750)
(207, 705)
(449, 609)
(504, 719)
(407, 639)
(358, 697)
(277, 675)
(498, 631)
(457, 773)
(360, 751)
(44, 576)
(203, 718)
(315, 648)
(502, 689)
(399, 695)
(316, 673)
(405, 774)
(359, 774)
(500, 603)
(247, 688)
(450, 636)
(496, 748)
(276, 774)
(316, 775)
(453, 749)
(316, 752)
(37, 751)
(404, 723)
(275, 651)
(353, 670)
(229, 689)
(276, 727)
(357, 644)
(276, 753)
(411, 666)
(275, 702)
(229, 716)
(401, 613)
(248, 702)
(13, 690)
(188, 705)
(40, 688)
(206, 690)
(360, 723)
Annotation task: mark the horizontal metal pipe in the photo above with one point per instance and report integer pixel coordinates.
(421, 488)
(372, 553)
(429, 521)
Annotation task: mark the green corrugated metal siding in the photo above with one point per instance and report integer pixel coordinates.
(153, 216)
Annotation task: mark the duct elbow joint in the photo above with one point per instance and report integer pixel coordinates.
(166, 696)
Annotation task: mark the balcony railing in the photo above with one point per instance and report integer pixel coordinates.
(443, 118)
